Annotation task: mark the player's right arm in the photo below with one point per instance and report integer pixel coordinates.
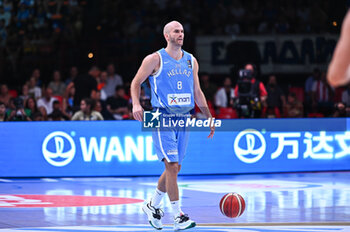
(149, 66)
(339, 68)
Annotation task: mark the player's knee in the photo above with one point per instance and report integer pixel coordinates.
(172, 168)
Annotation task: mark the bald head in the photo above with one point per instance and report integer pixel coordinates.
(169, 26)
(174, 34)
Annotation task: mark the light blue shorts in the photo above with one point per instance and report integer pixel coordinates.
(170, 143)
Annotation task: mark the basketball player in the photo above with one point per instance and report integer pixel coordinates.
(339, 68)
(171, 71)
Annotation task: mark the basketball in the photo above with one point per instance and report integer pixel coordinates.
(232, 205)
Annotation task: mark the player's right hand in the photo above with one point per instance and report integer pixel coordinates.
(212, 129)
(137, 112)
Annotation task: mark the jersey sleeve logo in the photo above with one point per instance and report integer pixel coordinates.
(189, 64)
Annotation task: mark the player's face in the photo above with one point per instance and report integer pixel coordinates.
(176, 35)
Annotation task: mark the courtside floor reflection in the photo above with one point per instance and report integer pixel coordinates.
(290, 202)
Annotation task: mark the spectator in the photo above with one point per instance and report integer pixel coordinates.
(73, 73)
(8, 5)
(85, 85)
(17, 112)
(271, 112)
(113, 80)
(40, 17)
(303, 18)
(322, 95)
(270, 12)
(282, 26)
(237, 11)
(341, 110)
(36, 74)
(293, 107)
(3, 33)
(98, 107)
(31, 105)
(102, 80)
(57, 114)
(145, 100)
(38, 116)
(97, 97)
(5, 95)
(53, 8)
(147, 88)
(345, 98)
(101, 84)
(25, 93)
(68, 101)
(47, 101)
(57, 86)
(254, 15)
(225, 95)
(86, 112)
(27, 2)
(318, 18)
(316, 75)
(5, 15)
(34, 90)
(209, 89)
(117, 105)
(3, 116)
(275, 97)
(257, 92)
(23, 14)
(258, 87)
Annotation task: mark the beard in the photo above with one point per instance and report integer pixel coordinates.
(174, 41)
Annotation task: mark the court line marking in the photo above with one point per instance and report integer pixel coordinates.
(278, 224)
(49, 180)
(5, 180)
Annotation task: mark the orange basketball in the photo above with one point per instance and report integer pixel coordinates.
(232, 205)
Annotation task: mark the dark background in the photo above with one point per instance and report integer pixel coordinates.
(123, 32)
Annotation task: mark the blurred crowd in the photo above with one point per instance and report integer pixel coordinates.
(104, 95)
(96, 95)
(221, 17)
(31, 22)
(60, 33)
(55, 36)
(316, 98)
(36, 31)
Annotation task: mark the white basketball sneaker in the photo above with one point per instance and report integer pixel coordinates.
(183, 222)
(154, 215)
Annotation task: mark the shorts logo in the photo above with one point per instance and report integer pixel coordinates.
(179, 99)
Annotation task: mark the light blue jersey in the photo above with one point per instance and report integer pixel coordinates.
(172, 85)
(172, 92)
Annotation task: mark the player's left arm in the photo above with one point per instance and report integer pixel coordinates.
(199, 97)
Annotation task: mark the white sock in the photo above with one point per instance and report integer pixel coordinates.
(175, 205)
(157, 198)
